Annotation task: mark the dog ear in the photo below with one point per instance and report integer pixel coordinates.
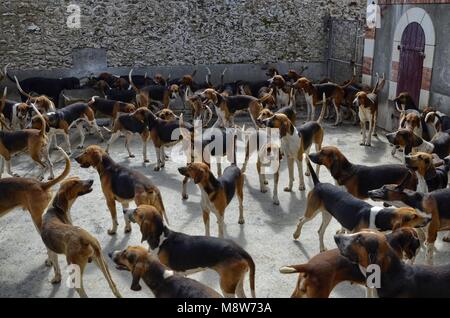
(60, 202)
(96, 157)
(286, 127)
(430, 173)
(145, 230)
(198, 177)
(137, 273)
(335, 165)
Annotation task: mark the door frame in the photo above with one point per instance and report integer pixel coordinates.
(420, 16)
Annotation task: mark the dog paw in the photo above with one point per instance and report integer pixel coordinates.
(263, 190)
(80, 147)
(48, 262)
(287, 189)
(296, 235)
(302, 187)
(446, 239)
(185, 197)
(112, 232)
(242, 221)
(307, 173)
(56, 280)
(276, 202)
(127, 229)
(156, 169)
(375, 134)
(323, 249)
(266, 182)
(132, 156)
(146, 161)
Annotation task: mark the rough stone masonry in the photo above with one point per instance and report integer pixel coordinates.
(34, 34)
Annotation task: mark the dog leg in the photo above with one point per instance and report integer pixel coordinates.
(53, 257)
(430, 253)
(369, 137)
(69, 146)
(262, 178)
(49, 164)
(338, 114)
(126, 205)
(111, 203)
(101, 264)
(326, 218)
(240, 195)
(184, 194)
(2, 166)
(221, 223)
(219, 167)
(82, 136)
(307, 173)
(291, 174)
(446, 238)
(8, 169)
(363, 131)
(163, 157)
(276, 177)
(53, 139)
(144, 149)
(97, 129)
(111, 140)
(300, 173)
(128, 137)
(318, 147)
(206, 221)
(158, 159)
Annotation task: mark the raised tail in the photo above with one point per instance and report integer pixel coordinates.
(293, 269)
(313, 173)
(43, 126)
(130, 78)
(51, 183)
(6, 73)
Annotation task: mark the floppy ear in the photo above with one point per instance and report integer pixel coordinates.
(335, 165)
(145, 230)
(395, 227)
(430, 172)
(60, 202)
(198, 177)
(96, 157)
(137, 274)
(405, 180)
(286, 127)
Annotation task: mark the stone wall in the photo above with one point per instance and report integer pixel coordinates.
(34, 34)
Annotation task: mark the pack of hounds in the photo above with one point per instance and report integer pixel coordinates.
(415, 195)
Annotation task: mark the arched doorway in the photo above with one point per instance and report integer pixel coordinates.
(412, 54)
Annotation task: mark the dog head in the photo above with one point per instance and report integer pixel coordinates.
(174, 91)
(42, 103)
(23, 112)
(303, 84)
(403, 138)
(143, 115)
(361, 99)
(264, 115)
(281, 122)
(404, 101)
(364, 248)
(198, 171)
(409, 217)
(167, 115)
(278, 81)
(135, 259)
(91, 157)
(405, 241)
(209, 94)
(423, 163)
(69, 190)
(330, 157)
(150, 222)
(412, 121)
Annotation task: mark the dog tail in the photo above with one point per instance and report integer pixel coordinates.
(21, 90)
(64, 174)
(6, 73)
(161, 207)
(3, 102)
(351, 81)
(324, 107)
(293, 269)
(251, 265)
(313, 173)
(43, 126)
(100, 261)
(130, 78)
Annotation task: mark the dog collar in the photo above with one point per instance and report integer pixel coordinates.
(373, 216)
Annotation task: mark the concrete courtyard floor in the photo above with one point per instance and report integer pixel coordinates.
(266, 235)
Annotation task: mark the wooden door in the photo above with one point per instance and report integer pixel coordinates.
(412, 50)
